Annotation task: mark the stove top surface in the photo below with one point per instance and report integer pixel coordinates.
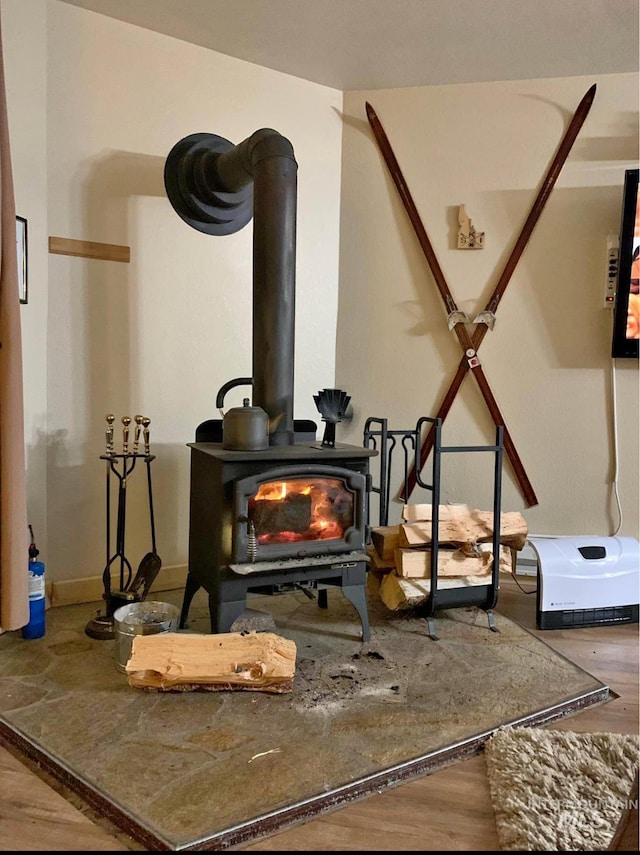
(298, 451)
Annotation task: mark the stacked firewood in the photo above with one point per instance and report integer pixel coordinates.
(400, 555)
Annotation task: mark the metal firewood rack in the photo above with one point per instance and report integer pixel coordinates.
(378, 436)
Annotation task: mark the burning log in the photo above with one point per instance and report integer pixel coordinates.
(291, 513)
(174, 661)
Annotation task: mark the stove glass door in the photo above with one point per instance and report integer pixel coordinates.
(301, 509)
(293, 513)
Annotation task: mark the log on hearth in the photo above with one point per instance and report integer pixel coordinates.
(249, 661)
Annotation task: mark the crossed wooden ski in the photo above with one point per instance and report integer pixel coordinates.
(485, 319)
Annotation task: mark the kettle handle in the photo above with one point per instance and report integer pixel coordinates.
(231, 384)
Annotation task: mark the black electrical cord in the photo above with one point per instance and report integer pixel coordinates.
(520, 586)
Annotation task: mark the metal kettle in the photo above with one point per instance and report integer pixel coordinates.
(244, 428)
(247, 428)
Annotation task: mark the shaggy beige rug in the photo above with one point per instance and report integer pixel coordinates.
(558, 790)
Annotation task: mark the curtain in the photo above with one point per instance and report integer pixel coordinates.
(14, 534)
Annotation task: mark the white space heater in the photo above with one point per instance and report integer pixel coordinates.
(586, 581)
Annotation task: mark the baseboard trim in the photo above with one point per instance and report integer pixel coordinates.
(90, 589)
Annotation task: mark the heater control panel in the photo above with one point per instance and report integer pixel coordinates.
(611, 276)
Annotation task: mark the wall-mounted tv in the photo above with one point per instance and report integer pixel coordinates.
(626, 321)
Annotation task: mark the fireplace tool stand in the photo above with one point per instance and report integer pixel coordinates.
(131, 588)
(378, 436)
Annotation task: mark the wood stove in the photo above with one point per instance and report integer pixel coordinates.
(293, 515)
(274, 521)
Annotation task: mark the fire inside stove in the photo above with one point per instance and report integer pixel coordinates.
(301, 509)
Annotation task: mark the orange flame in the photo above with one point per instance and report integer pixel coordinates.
(331, 510)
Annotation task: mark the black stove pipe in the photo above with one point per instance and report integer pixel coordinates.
(209, 182)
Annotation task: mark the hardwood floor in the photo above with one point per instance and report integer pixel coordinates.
(448, 810)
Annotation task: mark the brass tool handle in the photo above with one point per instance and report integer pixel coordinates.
(109, 433)
(126, 421)
(136, 436)
(145, 433)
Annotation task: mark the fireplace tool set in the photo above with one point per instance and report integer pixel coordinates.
(132, 588)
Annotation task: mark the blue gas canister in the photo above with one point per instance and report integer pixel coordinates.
(36, 626)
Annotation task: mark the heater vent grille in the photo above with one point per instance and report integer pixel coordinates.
(588, 617)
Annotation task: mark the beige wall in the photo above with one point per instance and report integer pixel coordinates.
(163, 333)
(488, 146)
(25, 57)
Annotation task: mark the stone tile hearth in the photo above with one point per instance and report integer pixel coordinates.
(209, 770)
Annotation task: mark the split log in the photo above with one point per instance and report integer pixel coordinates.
(385, 540)
(379, 563)
(458, 524)
(399, 594)
(374, 580)
(174, 661)
(416, 563)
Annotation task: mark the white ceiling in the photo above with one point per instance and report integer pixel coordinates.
(381, 44)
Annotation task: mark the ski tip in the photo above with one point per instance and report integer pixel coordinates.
(584, 106)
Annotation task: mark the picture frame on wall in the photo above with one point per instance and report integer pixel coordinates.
(21, 246)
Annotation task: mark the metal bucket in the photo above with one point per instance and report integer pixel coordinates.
(145, 618)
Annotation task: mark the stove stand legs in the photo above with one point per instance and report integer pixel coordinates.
(190, 589)
(356, 594)
(228, 598)
(222, 612)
